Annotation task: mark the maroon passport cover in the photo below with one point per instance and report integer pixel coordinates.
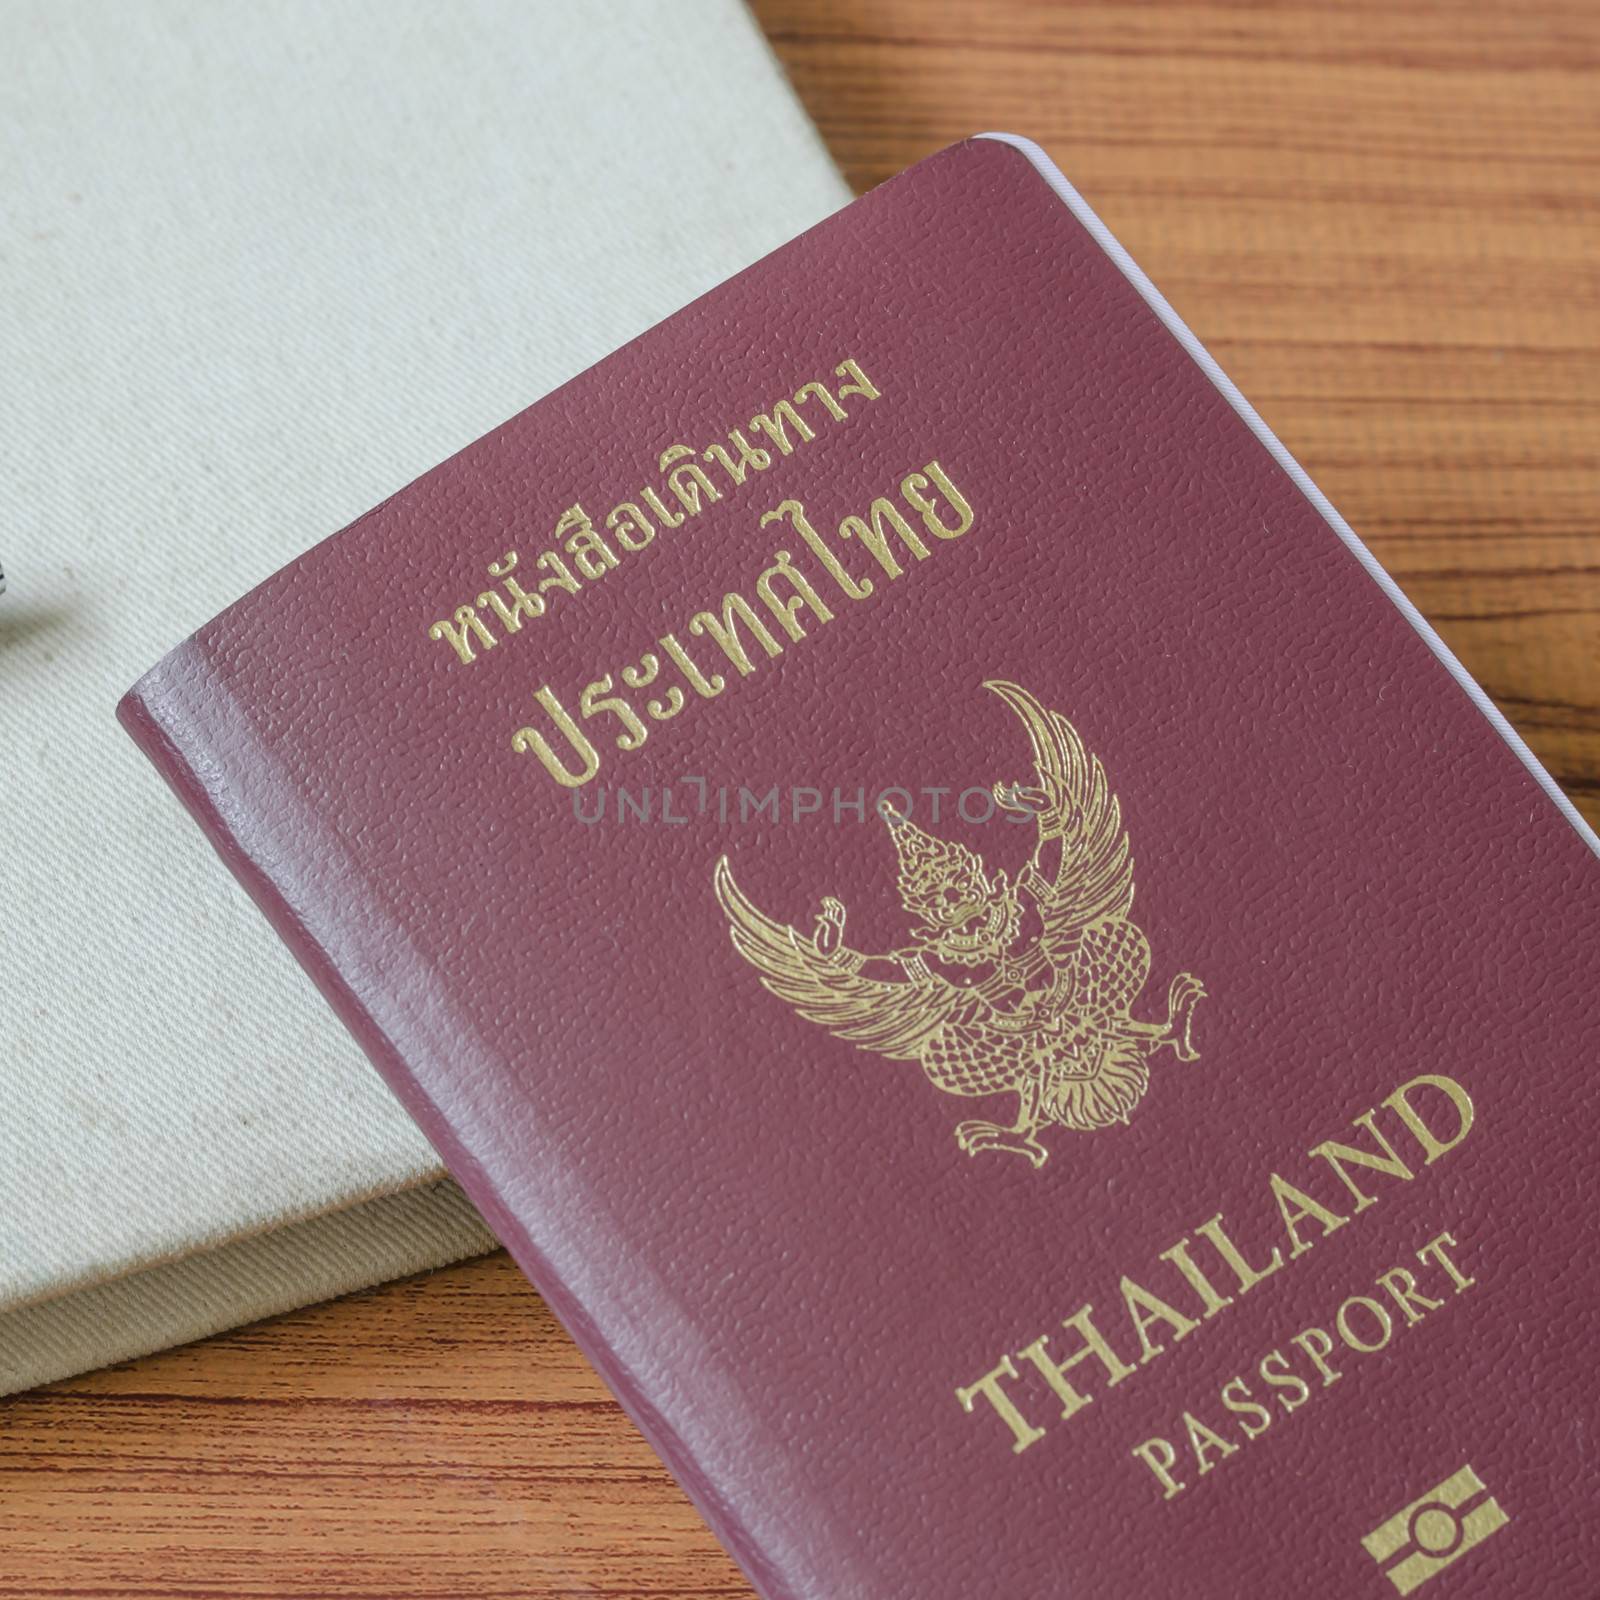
(1025, 1013)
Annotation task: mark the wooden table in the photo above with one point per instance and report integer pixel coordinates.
(1382, 218)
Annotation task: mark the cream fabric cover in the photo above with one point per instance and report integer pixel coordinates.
(261, 264)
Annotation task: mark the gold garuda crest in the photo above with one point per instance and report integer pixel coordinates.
(1023, 986)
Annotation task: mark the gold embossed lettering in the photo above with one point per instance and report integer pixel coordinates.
(1095, 1346)
(991, 1387)
(1160, 1457)
(1434, 1146)
(1296, 1206)
(1145, 1310)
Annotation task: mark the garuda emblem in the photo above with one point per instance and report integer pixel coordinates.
(1021, 986)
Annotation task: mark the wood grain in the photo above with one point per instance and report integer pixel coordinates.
(1383, 221)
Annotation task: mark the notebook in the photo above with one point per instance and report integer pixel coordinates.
(261, 264)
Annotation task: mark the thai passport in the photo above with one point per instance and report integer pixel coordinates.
(1026, 1013)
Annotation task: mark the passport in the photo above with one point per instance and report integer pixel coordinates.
(1026, 1013)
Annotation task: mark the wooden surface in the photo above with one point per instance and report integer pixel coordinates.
(1382, 218)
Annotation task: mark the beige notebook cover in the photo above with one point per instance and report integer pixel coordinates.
(258, 266)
